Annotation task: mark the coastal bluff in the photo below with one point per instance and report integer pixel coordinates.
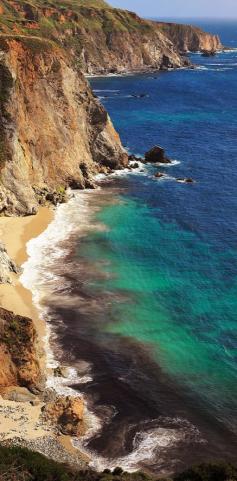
(54, 132)
(188, 38)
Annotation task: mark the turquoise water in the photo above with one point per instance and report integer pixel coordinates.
(149, 303)
(172, 248)
(177, 300)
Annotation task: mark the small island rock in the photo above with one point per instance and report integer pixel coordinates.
(157, 154)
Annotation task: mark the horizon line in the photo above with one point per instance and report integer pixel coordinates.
(196, 17)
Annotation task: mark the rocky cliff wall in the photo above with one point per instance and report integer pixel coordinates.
(188, 38)
(53, 132)
(123, 42)
(18, 358)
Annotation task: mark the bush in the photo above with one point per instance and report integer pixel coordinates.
(209, 472)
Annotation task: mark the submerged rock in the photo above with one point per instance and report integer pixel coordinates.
(208, 53)
(157, 154)
(140, 96)
(135, 165)
(134, 158)
(187, 180)
(159, 175)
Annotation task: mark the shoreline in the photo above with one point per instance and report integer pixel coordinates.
(16, 232)
(20, 421)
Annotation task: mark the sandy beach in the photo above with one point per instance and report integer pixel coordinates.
(15, 232)
(21, 419)
(21, 422)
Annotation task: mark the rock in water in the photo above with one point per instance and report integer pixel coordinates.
(159, 175)
(157, 154)
(208, 53)
(187, 180)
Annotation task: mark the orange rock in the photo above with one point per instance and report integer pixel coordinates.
(68, 414)
(18, 357)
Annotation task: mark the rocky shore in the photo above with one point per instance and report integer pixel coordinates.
(30, 414)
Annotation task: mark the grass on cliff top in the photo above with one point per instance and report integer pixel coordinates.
(20, 464)
(51, 18)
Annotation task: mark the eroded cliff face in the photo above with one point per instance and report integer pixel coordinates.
(123, 42)
(18, 357)
(53, 132)
(188, 38)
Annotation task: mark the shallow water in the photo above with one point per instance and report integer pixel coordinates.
(143, 289)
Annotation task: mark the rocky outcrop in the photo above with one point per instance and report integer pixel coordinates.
(7, 266)
(159, 175)
(18, 357)
(68, 414)
(187, 38)
(157, 154)
(54, 132)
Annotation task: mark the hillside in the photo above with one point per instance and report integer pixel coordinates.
(104, 39)
(101, 39)
(17, 464)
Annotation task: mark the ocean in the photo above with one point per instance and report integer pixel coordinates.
(138, 279)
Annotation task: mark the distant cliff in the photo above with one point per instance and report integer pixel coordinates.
(188, 38)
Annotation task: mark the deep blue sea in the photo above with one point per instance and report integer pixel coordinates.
(159, 323)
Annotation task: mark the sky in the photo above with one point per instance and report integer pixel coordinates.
(180, 8)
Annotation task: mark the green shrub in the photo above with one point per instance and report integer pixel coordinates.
(209, 472)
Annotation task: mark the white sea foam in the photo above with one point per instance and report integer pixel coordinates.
(42, 252)
(172, 163)
(37, 276)
(231, 50)
(106, 90)
(148, 445)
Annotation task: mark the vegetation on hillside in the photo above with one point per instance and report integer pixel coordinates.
(59, 20)
(19, 464)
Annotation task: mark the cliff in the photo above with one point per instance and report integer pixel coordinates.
(53, 131)
(18, 357)
(103, 39)
(188, 38)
